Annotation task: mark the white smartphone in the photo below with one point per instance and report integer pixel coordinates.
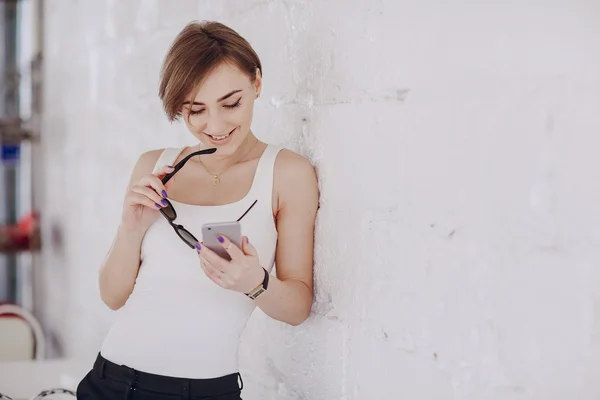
(210, 232)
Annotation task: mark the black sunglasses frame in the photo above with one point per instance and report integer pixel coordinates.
(180, 229)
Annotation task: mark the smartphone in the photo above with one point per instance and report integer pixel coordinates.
(210, 232)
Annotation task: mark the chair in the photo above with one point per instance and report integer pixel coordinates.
(21, 335)
(23, 370)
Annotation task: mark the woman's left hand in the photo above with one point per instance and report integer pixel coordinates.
(242, 274)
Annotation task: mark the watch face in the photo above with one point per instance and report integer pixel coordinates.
(258, 293)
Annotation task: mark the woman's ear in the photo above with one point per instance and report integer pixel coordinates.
(258, 82)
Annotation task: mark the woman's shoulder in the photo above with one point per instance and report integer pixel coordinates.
(151, 154)
(290, 162)
(149, 158)
(292, 168)
(145, 163)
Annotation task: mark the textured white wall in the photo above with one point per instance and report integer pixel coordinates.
(458, 239)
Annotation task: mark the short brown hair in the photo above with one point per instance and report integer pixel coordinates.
(196, 51)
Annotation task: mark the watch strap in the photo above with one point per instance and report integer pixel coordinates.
(261, 288)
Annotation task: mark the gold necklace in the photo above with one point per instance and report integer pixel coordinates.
(217, 177)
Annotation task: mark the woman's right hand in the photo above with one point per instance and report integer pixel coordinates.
(143, 200)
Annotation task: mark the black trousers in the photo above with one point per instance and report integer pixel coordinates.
(108, 380)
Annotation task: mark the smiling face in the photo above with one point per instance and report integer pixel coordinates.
(219, 114)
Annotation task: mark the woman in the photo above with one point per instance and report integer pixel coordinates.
(181, 312)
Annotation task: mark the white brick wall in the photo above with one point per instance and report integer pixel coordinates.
(457, 244)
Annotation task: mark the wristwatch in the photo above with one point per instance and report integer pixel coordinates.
(260, 289)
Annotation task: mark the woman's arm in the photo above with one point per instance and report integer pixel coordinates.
(289, 295)
(120, 269)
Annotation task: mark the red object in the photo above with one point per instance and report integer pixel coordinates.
(22, 235)
(9, 315)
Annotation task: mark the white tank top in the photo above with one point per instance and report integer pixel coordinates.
(177, 322)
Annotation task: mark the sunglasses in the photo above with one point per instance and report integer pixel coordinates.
(169, 212)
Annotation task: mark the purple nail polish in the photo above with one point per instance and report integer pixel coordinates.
(164, 194)
(198, 246)
(158, 206)
(170, 166)
(220, 239)
(165, 203)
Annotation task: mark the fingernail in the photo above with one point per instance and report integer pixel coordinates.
(220, 239)
(198, 246)
(158, 206)
(164, 194)
(170, 166)
(166, 203)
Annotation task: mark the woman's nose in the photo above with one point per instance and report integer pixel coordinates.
(215, 125)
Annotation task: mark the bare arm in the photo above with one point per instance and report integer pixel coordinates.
(118, 273)
(289, 296)
(120, 269)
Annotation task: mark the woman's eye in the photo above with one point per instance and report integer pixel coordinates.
(229, 106)
(236, 104)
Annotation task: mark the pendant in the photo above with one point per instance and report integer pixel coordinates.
(216, 180)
